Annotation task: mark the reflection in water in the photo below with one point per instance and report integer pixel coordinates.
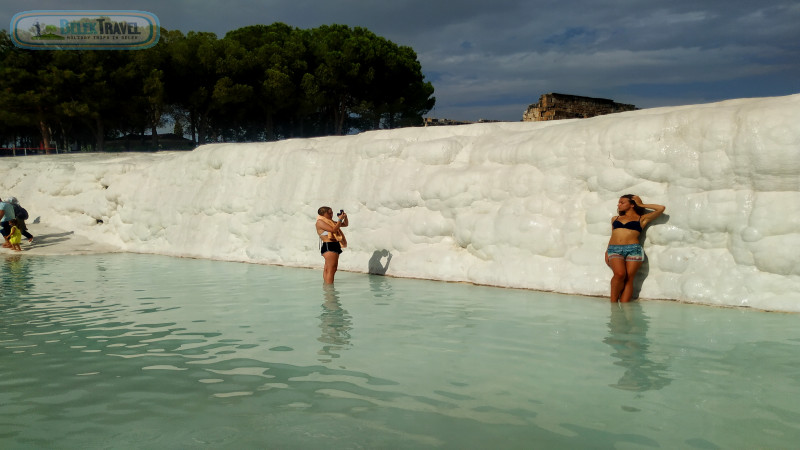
(15, 276)
(378, 284)
(335, 324)
(380, 287)
(627, 330)
(155, 352)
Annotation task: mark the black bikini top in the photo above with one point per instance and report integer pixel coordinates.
(635, 225)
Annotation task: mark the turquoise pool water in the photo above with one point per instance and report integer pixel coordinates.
(142, 351)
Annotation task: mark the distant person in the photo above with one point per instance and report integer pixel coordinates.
(14, 236)
(6, 214)
(625, 254)
(21, 216)
(332, 240)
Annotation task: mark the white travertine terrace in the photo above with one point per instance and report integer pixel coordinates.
(524, 205)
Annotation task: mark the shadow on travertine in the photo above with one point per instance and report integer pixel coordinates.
(375, 265)
(52, 241)
(47, 240)
(641, 275)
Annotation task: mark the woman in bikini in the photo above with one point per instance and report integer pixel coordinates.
(625, 254)
(333, 240)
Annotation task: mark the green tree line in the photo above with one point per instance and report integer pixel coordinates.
(258, 83)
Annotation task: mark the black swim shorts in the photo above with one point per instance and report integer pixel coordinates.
(331, 247)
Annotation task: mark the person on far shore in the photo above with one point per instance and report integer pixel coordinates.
(6, 214)
(625, 254)
(15, 236)
(332, 240)
(21, 216)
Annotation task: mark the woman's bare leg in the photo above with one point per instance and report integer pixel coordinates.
(618, 280)
(631, 268)
(331, 264)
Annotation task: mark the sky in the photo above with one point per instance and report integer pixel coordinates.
(491, 59)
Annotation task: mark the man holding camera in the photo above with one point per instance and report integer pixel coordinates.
(332, 240)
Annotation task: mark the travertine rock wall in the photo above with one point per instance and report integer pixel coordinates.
(525, 205)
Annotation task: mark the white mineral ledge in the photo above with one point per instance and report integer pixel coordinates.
(525, 204)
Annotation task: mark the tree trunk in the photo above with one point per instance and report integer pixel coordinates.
(64, 139)
(269, 133)
(99, 135)
(155, 136)
(45, 131)
(298, 128)
(201, 128)
(339, 114)
(193, 125)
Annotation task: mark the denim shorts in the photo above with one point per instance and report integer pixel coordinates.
(630, 252)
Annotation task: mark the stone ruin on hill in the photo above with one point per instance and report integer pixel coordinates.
(562, 106)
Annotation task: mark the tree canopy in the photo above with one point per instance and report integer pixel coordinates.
(257, 83)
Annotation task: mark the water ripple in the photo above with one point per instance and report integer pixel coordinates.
(150, 351)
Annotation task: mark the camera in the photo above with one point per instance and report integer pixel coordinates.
(341, 211)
